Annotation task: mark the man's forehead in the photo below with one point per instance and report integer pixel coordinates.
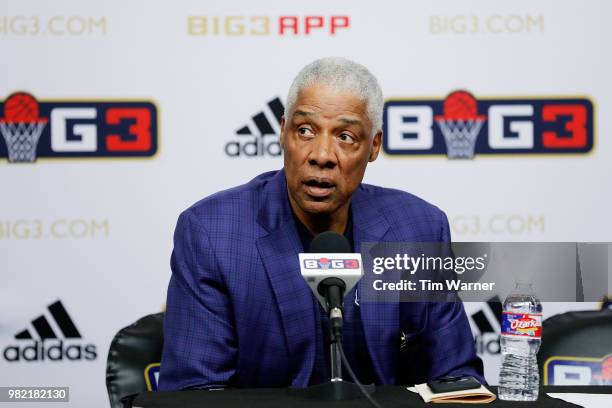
(347, 118)
(320, 101)
(329, 107)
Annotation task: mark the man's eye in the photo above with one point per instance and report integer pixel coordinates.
(304, 131)
(346, 138)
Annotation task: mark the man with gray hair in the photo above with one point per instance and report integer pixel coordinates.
(239, 312)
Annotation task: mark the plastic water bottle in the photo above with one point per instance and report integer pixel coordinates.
(521, 334)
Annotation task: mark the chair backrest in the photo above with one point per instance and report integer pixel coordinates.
(133, 360)
(577, 349)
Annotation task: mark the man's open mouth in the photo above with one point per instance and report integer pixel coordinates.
(319, 187)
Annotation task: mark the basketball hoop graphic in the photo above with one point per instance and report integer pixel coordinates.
(460, 124)
(324, 263)
(21, 127)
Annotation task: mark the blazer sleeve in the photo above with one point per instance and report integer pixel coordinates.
(199, 336)
(451, 347)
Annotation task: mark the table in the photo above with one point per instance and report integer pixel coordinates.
(387, 396)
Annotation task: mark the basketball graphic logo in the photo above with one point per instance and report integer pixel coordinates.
(461, 105)
(324, 263)
(460, 124)
(21, 127)
(20, 107)
(76, 128)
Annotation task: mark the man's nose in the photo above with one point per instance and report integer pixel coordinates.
(323, 154)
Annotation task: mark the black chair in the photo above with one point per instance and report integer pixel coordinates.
(576, 348)
(133, 360)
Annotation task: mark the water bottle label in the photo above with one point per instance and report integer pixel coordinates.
(521, 324)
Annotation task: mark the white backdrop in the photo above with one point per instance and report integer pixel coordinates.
(100, 230)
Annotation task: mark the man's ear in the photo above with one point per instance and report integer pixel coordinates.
(376, 146)
(281, 138)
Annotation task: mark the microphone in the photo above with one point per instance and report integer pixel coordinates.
(332, 288)
(330, 270)
(330, 242)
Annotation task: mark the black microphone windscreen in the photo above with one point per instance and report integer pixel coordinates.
(330, 242)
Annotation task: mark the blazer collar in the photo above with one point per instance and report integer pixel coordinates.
(380, 320)
(370, 223)
(278, 247)
(274, 211)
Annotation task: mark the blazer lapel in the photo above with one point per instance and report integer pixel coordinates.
(279, 249)
(380, 320)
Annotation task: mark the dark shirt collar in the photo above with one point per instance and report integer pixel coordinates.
(306, 236)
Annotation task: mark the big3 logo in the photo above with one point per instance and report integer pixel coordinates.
(461, 126)
(74, 128)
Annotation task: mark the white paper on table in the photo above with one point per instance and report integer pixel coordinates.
(586, 400)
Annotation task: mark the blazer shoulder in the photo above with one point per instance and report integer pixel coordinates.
(394, 199)
(402, 208)
(229, 204)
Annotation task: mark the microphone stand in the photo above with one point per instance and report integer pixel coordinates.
(337, 389)
(335, 344)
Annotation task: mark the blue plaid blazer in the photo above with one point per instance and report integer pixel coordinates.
(240, 314)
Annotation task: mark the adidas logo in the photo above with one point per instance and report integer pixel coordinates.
(489, 325)
(259, 138)
(49, 343)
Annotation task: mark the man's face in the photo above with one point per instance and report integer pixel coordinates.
(327, 141)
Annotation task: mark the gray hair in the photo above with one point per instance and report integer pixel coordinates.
(345, 75)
